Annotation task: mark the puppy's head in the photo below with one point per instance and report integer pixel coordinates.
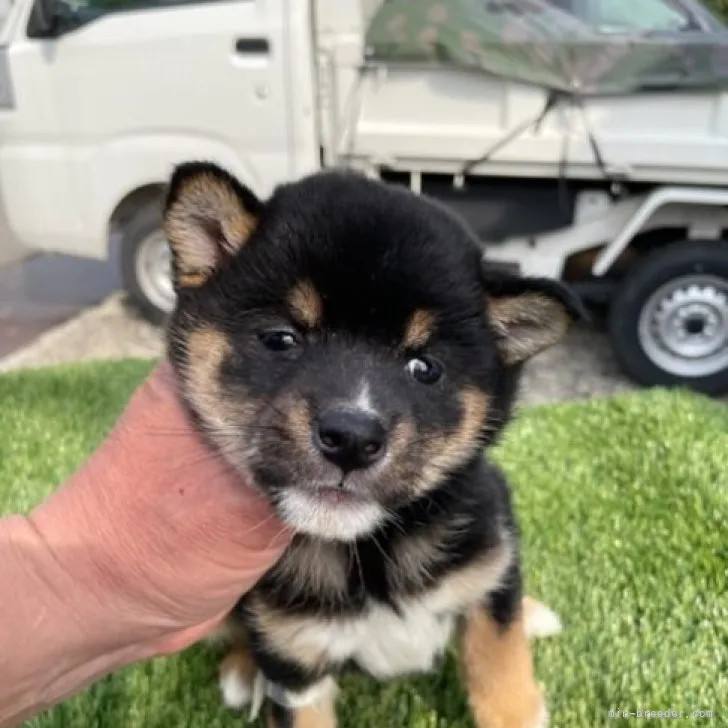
(341, 343)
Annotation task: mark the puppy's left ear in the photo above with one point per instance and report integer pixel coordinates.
(528, 315)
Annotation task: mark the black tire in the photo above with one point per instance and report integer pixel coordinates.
(146, 221)
(642, 281)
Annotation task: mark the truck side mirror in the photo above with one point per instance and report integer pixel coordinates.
(54, 18)
(42, 21)
(50, 19)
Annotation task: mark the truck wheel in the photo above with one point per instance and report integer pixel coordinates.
(145, 264)
(668, 320)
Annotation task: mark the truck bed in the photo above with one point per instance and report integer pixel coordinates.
(438, 120)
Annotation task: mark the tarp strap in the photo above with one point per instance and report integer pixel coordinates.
(563, 184)
(535, 122)
(615, 184)
(553, 100)
(596, 151)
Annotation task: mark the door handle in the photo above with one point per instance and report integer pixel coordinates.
(252, 46)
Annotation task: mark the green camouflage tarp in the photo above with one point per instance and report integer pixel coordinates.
(534, 42)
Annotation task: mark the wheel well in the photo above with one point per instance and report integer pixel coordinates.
(138, 198)
(578, 265)
(599, 291)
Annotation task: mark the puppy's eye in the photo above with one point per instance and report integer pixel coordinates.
(425, 369)
(279, 340)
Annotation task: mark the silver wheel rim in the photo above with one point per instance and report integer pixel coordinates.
(154, 271)
(683, 327)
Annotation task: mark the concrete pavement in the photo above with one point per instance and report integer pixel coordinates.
(40, 293)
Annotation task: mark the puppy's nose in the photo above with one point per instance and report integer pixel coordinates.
(351, 439)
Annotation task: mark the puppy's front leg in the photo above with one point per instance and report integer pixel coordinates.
(497, 666)
(237, 674)
(320, 714)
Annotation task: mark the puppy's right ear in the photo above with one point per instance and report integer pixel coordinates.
(208, 218)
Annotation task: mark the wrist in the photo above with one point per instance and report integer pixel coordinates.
(55, 640)
(93, 558)
(59, 584)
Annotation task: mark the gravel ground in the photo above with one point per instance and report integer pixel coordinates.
(581, 366)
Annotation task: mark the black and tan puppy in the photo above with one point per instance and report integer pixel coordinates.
(342, 345)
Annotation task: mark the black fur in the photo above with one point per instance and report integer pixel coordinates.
(281, 717)
(374, 255)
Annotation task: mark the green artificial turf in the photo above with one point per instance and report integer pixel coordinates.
(623, 505)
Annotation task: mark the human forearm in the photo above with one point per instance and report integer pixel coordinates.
(54, 639)
(141, 553)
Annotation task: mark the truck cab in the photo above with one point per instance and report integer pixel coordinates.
(99, 100)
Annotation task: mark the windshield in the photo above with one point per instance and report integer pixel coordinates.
(61, 16)
(635, 16)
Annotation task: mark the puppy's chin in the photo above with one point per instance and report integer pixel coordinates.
(329, 514)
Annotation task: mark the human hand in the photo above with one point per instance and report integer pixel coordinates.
(156, 533)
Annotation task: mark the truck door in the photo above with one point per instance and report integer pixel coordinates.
(120, 90)
(11, 248)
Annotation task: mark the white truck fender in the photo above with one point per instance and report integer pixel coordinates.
(116, 179)
(654, 201)
(94, 183)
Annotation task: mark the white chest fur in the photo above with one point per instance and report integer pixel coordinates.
(383, 643)
(386, 642)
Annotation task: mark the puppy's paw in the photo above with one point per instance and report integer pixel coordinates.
(536, 714)
(236, 680)
(539, 620)
(236, 692)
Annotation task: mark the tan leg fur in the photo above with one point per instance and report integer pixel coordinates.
(497, 669)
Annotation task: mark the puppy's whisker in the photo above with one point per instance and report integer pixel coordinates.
(185, 463)
(284, 530)
(358, 563)
(385, 556)
(395, 519)
(431, 502)
(262, 524)
(158, 432)
(270, 406)
(425, 440)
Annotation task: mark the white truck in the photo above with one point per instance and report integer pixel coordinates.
(582, 139)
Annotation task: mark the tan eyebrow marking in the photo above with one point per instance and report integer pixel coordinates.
(306, 304)
(419, 329)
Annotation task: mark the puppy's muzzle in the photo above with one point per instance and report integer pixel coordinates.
(352, 439)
